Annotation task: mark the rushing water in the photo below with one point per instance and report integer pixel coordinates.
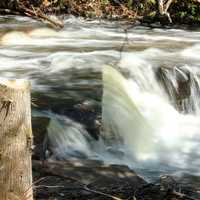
(150, 111)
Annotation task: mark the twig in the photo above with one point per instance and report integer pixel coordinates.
(83, 185)
(24, 195)
(124, 43)
(101, 193)
(48, 186)
(122, 47)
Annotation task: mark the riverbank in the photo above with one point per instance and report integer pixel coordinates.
(93, 180)
(145, 11)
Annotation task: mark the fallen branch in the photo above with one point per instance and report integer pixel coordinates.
(101, 193)
(22, 7)
(37, 14)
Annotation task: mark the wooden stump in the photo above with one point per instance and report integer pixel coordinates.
(15, 140)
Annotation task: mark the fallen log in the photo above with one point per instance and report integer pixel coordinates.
(15, 140)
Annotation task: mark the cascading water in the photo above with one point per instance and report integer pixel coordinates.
(143, 118)
(151, 101)
(68, 138)
(140, 121)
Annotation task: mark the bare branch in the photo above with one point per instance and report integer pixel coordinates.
(167, 5)
(163, 8)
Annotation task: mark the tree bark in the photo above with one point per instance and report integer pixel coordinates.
(15, 141)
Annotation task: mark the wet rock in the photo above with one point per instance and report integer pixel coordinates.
(181, 87)
(168, 188)
(193, 180)
(177, 84)
(86, 112)
(87, 171)
(39, 126)
(86, 179)
(72, 96)
(189, 185)
(91, 179)
(150, 192)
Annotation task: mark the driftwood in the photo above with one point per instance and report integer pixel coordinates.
(15, 141)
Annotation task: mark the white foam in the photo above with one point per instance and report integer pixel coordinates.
(151, 129)
(68, 138)
(43, 32)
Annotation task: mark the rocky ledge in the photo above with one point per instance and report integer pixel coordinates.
(90, 179)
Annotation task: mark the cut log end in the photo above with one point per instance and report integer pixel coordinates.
(19, 84)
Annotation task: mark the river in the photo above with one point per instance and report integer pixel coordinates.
(150, 114)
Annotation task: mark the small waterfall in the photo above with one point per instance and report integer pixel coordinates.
(144, 122)
(121, 117)
(68, 138)
(148, 123)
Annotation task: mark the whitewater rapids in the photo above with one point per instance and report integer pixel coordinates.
(151, 122)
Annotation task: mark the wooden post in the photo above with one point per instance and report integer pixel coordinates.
(15, 140)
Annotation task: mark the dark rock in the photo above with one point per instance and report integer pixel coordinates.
(179, 91)
(86, 179)
(168, 188)
(39, 126)
(150, 192)
(86, 112)
(90, 179)
(189, 185)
